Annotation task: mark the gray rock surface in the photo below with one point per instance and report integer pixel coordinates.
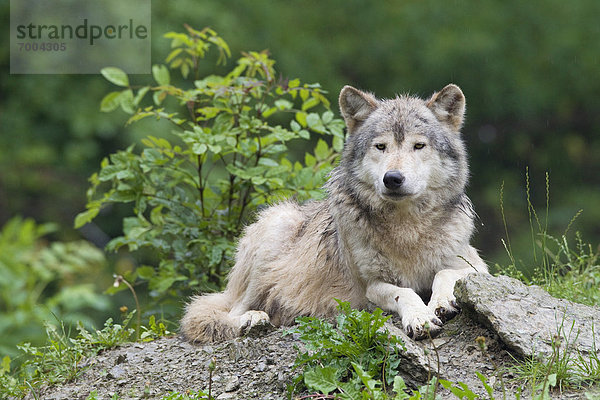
(500, 311)
(245, 368)
(528, 319)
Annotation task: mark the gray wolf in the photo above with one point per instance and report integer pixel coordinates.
(394, 229)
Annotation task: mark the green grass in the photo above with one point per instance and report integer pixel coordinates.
(565, 369)
(566, 270)
(573, 274)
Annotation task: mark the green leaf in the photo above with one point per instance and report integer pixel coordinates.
(552, 380)
(109, 172)
(152, 155)
(86, 216)
(283, 104)
(304, 134)
(464, 392)
(267, 113)
(327, 117)
(367, 380)
(314, 121)
(5, 365)
(321, 379)
(338, 144)
(110, 102)
(127, 101)
(310, 103)
(199, 148)
(159, 96)
(123, 196)
(140, 95)
(268, 162)
(486, 385)
(321, 150)
(304, 93)
(301, 118)
(185, 70)
(295, 126)
(161, 74)
(399, 387)
(115, 75)
(145, 272)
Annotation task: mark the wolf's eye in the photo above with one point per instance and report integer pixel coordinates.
(380, 146)
(419, 146)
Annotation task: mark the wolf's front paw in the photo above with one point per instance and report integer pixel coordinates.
(444, 309)
(421, 324)
(255, 323)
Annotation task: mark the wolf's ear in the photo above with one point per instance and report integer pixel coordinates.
(356, 106)
(448, 105)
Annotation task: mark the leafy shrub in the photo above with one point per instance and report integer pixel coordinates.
(37, 282)
(193, 191)
(356, 355)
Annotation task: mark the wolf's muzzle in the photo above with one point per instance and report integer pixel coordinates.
(393, 179)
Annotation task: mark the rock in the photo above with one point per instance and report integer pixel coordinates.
(116, 372)
(260, 367)
(232, 384)
(416, 367)
(526, 318)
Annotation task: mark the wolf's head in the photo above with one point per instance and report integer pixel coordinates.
(405, 150)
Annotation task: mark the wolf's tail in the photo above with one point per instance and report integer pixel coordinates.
(207, 319)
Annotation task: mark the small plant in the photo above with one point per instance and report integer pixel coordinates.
(154, 330)
(341, 357)
(193, 190)
(192, 395)
(355, 359)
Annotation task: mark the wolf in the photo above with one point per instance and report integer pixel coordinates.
(394, 229)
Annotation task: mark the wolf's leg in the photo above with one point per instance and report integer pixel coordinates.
(443, 303)
(418, 320)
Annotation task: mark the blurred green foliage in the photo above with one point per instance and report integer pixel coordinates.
(41, 282)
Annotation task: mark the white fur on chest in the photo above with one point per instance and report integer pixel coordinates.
(406, 253)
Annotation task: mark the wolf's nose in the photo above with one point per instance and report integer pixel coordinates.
(393, 179)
